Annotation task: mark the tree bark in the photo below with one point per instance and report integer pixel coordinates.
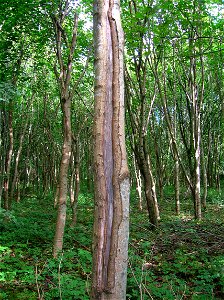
(75, 182)
(139, 127)
(66, 95)
(149, 185)
(19, 151)
(138, 182)
(205, 179)
(63, 177)
(3, 153)
(111, 220)
(7, 202)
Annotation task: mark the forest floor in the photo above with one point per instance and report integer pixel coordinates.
(181, 259)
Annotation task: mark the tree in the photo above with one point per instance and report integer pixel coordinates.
(64, 52)
(111, 218)
(140, 97)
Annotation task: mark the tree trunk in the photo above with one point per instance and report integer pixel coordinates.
(7, 202)
(140, 147)
(75, 183)
(138, 179)
(149, 188)
(63, 177)
(197, 183)
(15, 177)
(159, 162)
(63, 75)
(177, 185)
(111, 219)
(205, 179)
(3, 152)
(195, 104)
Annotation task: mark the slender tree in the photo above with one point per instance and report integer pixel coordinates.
(64, 75)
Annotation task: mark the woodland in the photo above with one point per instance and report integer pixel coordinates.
(96, 113)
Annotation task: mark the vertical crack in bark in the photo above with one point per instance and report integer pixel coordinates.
(111, 175)
(117, 135)
(115, 148)
(108, 155)
(103, 149)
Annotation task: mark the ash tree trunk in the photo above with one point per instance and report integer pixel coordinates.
(63, 74)
(111, 219)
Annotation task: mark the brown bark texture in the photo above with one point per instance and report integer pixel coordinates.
(63, 178)
(111, 220)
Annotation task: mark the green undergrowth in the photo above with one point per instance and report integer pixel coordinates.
(182, 259)
(27, 268)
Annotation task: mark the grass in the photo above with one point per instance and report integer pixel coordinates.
(182, 259)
